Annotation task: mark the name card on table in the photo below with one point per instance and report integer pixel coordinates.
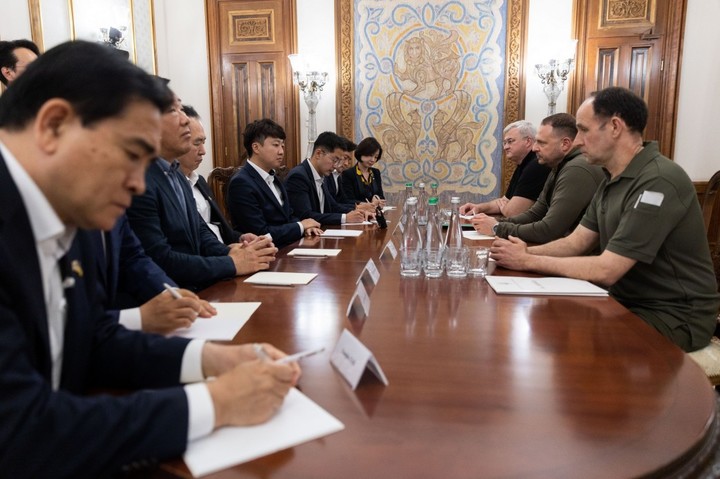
(350, 357)
(362, 301)
(370, 270)
(389, 249)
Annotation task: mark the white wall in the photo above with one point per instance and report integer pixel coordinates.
(14, 20)
(320, 44)
(699, 102)
(548, 30)
(182, 56)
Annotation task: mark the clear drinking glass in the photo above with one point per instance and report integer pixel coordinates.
(410, 262)
(478, 261)
(456, 261)
(433, 262)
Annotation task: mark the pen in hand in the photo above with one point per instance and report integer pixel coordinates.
(173, 291)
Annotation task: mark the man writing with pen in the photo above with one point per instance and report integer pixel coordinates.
(309, 195)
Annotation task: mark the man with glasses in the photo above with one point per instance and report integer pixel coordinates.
(309, 196)
(527, 181)
(15, 56)
(567, 192)
(646, 220)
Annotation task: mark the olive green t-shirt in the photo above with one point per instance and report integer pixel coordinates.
(650, 213)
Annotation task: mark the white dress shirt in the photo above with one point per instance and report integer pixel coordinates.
(270, 181)
(321, 195)
(203, 205)
(53, 239)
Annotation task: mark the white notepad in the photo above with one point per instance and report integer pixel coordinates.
(343, 233)
(314, 252)
(280, 279)
(544, 286)
(474, 235)
(230, 318)
(298, 421)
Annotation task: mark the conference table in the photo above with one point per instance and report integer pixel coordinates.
(480, 385)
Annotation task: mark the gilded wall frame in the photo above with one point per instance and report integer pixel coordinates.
(514, 88)
(141, 45)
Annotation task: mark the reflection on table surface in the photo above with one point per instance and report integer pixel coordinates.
(481, 385)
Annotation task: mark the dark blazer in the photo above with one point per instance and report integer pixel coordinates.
(356, 190)
(216, 217)
(304, 200)
(128, 277)
(338, 191)
(254, 208)
(46, 433)
(177, 239)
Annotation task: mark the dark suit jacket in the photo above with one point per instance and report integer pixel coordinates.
(177, 239)
(128, 277)
(255, 209)
(338, 191)
(356, 190)
(45, 433)
(304, 201)
(216, 217)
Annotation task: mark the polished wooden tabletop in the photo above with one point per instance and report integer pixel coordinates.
(480, 385)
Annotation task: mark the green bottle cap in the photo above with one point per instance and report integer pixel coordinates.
(433, 201)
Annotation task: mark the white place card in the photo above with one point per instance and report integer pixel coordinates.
(350, 357)
(474, 235)
(299, 420)
(358, 223)
(389, 248)
(230, 318)
(343, 233)
(314, 252)
(372, 271)
(363, 299)
(280, 279)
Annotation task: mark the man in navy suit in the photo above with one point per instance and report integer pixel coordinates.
(333, 182)
(257, 200)
(309, 196)
(77, 131)
(204, 199)
(133, 285)
(171, 230)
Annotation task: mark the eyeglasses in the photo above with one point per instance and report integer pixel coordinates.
(335, 159)
(510, 141)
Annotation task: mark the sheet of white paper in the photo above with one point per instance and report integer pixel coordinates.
(467, 217)
(314, 252)
(388, 208)
(474, 235)
(224, 325)
(344, 233)
(298, 421)
(280, 279)
(544, 286)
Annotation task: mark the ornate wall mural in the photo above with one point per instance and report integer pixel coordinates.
(428, 84)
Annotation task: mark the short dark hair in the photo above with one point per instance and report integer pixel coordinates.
(97, 81)
(329, 141)
(349, 145)
(191, 112)
(564, 123)
(623, 103)
(258, 131)
(8, 59)
(367, 147)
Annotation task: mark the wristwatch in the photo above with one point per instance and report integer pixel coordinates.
(494, 228)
